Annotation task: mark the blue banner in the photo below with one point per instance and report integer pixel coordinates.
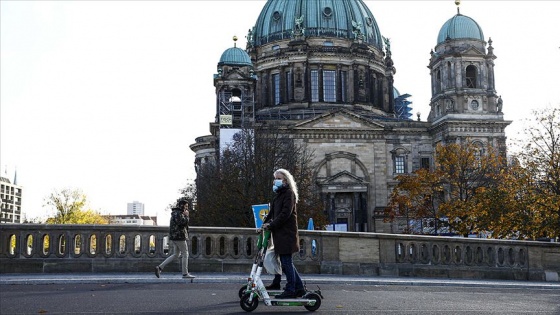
(259, 211)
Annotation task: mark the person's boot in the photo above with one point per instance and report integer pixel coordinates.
(300, 292)
(273, 286)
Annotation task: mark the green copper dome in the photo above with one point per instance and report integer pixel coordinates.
(235, 57)
(347, 19)
(460, 27)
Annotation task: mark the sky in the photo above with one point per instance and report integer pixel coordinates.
(107, 96)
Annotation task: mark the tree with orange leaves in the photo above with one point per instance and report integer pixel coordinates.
(532, 207)
(449, 193)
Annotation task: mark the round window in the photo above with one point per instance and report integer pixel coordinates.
(474, 105)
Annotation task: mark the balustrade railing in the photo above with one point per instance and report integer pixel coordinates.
(435, 253)
(27, 248)
(40, 248)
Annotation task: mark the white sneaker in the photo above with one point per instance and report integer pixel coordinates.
(188, 276)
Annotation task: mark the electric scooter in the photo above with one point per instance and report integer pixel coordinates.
(262, 243)
(255, 289)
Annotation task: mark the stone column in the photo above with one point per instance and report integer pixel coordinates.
(357, 212)
(332, 210)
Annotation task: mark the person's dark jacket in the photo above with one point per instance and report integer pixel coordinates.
(178, 225)
(282, 220)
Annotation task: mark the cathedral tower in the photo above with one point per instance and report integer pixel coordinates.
(464, 102)
(234, 84)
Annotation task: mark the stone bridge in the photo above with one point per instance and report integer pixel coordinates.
(41, 248)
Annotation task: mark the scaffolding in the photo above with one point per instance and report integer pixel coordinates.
(236, 111)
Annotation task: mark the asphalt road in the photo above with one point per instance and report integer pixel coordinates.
(222, 298)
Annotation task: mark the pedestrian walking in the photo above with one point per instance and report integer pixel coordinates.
(178, 236)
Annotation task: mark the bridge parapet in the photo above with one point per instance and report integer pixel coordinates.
(40, 248)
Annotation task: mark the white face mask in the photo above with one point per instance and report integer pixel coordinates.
(277, 184)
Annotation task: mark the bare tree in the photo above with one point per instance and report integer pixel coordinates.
(242, 177)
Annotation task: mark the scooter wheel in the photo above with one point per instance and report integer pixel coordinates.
(242, 291)
(313, 296)
(247, 305)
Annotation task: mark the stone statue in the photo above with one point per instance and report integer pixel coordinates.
(387, 42)
(299, 23)
(357, 30)
(449, 106)
(500, 104)
(249, 38)
(298, 28)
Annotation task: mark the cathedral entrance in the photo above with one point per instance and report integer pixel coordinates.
(347, 211)
(343, 183)
(343, 214)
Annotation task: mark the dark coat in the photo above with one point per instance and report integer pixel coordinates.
(178, 225)
(282, 220)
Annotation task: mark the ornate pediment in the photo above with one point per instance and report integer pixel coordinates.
(340, 120)
(472, 50)
(235, 75)
(343, 178)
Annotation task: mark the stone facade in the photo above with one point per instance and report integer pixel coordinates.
(334, 93)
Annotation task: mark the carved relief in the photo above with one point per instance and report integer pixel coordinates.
(449, 105)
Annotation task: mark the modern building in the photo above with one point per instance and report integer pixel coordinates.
(134, 216)
(11, 197)
(323, 72)
(135, 207)
(132, 219)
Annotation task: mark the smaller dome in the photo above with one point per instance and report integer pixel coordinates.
(396, 93)
(235, 57)
(460, 27)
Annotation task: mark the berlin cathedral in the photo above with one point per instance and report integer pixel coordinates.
(323, 68)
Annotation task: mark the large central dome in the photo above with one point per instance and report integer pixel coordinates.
(347, 19)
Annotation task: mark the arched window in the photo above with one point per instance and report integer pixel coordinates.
(471, 76)
(235, 99)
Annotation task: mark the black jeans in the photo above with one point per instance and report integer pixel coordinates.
(293, 281)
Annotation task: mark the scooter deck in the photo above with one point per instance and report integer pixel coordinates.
(292, 302)
(271, 294)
